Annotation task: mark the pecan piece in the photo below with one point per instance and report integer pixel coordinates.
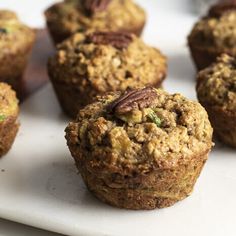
(118, 40)
(133, 99)
(220, 8)
(93, 6)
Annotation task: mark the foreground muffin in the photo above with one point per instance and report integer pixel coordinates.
(142, 149)
(216, 91)
(16, 40)
(71, 16)
(214, 34)
(90, 64)
(8, 118)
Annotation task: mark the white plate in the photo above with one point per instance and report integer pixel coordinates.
(39, 185)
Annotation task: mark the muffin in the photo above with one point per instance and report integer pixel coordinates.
(90, 64)
(142, 149)
(16, 40)
(214, 34)
(8, 118)
(71, 16)
(216, 91)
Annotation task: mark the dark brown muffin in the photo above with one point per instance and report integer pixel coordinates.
(8, 118)
(90, 64)
(71, 16)
(214, 34)
(216, 91)
(16, 41)
(142, 149)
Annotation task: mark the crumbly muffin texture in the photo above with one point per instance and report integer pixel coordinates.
(8, 102)
(70, 16)
(218, 33)
(172, 130)
(9, 110)
(217, 83)
(13, 34)
(106, 68)
(141, 149)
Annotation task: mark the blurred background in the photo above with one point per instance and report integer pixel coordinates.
(31, 11)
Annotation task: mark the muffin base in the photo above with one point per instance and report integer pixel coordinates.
(13, 66)
(70, 97)
(223, 123)
(8, 131)
(159, 189)
(202, 57)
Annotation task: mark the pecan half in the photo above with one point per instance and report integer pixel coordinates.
(133, 99)
(93, 6)
(220, 8)
(118, 40)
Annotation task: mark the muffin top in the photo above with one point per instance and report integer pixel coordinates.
(81, 15)
(216, 31)
(108, 61)
(7, 15)
(139, 130)
(13, 34)
(217, 83)
(8, 102)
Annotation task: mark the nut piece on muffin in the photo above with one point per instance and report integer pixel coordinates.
(142, 149)
(9, 110)
(16, 40)
(216, 91)
(214, 34)
(91, 64)
(71, 16)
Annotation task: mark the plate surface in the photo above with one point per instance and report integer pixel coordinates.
(40, 186)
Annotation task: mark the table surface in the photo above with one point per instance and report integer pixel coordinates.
(9, 228)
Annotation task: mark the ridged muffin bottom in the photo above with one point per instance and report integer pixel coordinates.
(165, 187)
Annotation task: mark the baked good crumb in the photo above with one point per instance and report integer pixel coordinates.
(9, 125)
(142, 149)
(90, 64)
(216, 91)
